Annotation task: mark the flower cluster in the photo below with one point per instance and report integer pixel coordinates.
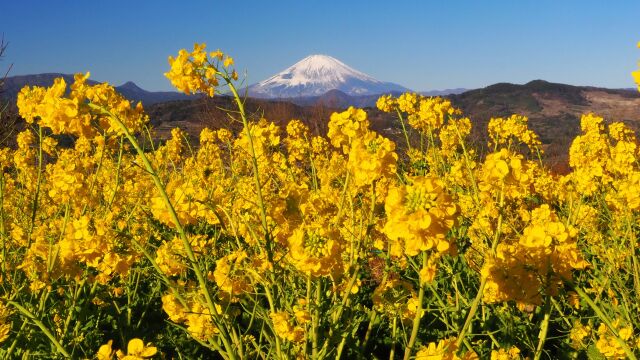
(284, 329)
(198, 71)
(513, 131)
(5, 322)
(85, 112)
(420, 214)
(610, 345)
(543, 257)
(136, 350)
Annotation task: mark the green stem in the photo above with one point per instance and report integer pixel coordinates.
(347, 292)
(38, 184)
(544, 328)
(254, 164)
(343, 195)
(418, 316)
(95, 179)
(16, 339)
(76, 296)
(394, 330)
(118, 167)
(42, 327)
(341, 346)
(272, 307)
(183, 236)
(605, 319)
(467, 163)
(258, 184)
(314, 322)
(404, 129)
(632, 243)
(343, 304)
(367, 335)
(483, 282)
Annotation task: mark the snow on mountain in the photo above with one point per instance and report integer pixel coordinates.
(317, 74)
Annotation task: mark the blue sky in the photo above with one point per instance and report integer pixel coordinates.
(422, 45)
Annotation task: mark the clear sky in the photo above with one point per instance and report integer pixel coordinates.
(423, 45)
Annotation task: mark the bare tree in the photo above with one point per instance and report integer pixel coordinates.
(3, 48)
(8, 114)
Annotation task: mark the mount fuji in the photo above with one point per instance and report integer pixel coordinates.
(315, 75)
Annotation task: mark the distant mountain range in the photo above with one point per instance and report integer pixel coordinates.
(314, 80)
(130, 90)
(353, 93)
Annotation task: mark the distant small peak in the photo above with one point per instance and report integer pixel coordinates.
(130, 85)
(537, 82)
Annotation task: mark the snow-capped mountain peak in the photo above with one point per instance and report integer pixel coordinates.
(317, 74)
(317, 69)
